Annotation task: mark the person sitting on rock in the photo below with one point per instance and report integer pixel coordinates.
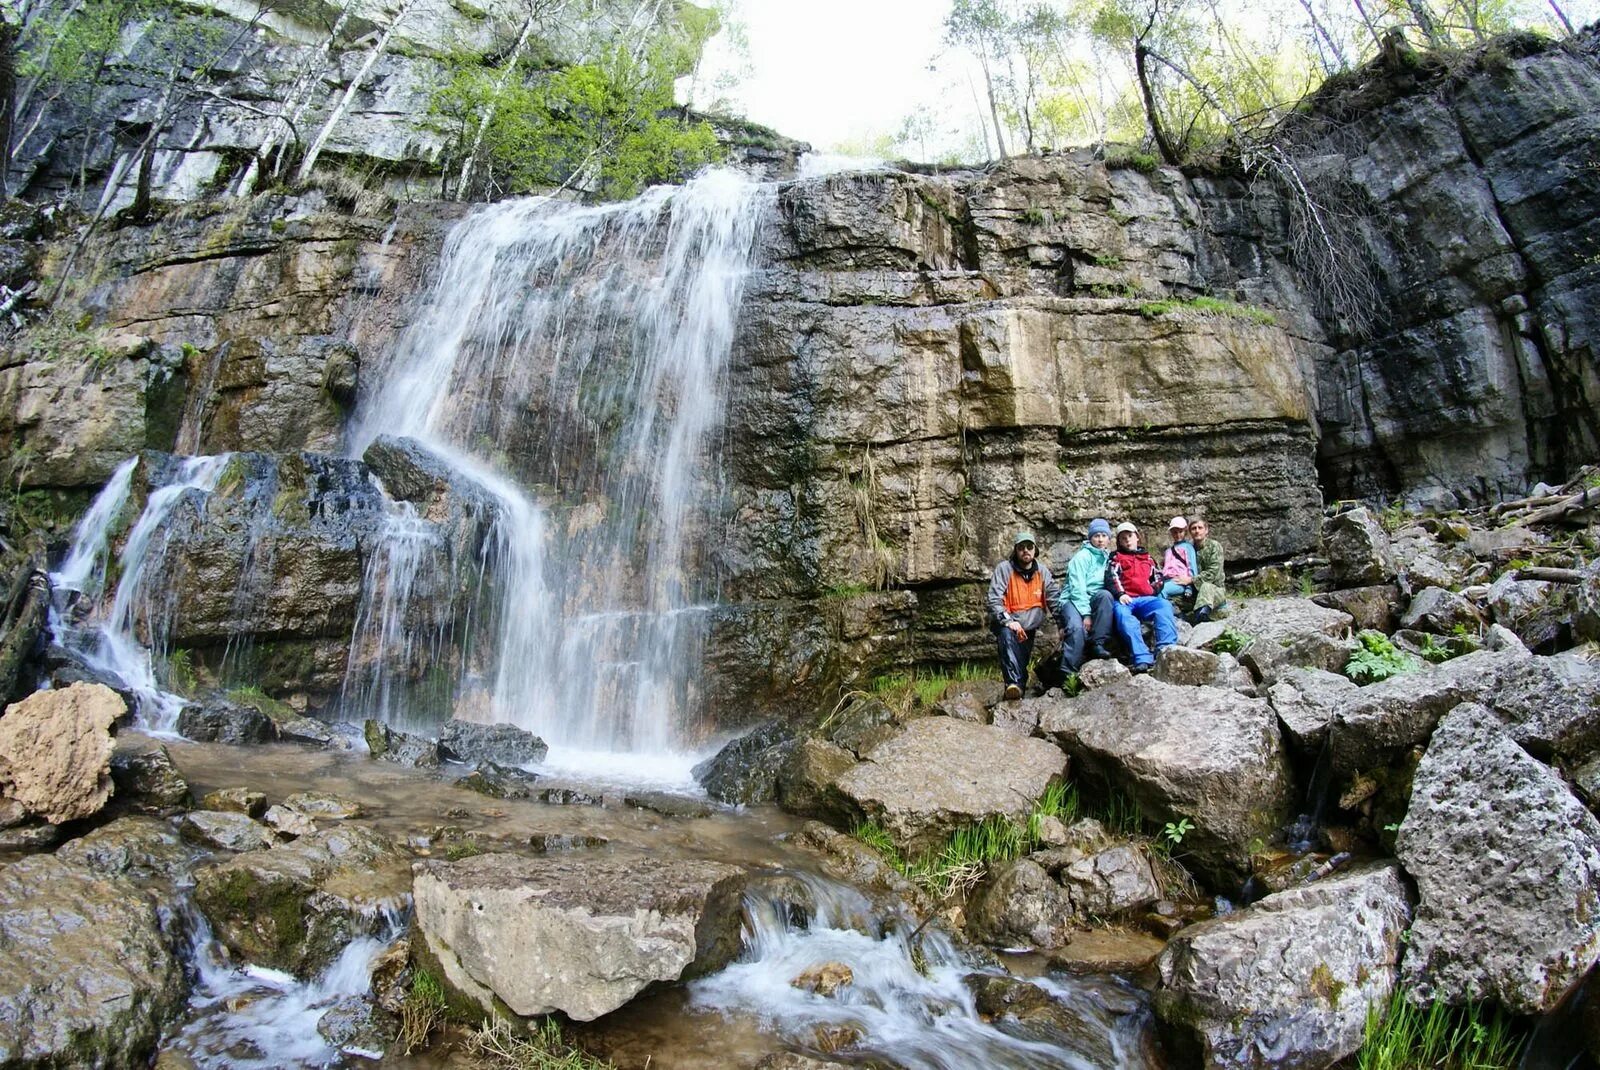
(1210, 586)
(1132, 577)
(1019, 590)
(1179, 565)
(1086, 607)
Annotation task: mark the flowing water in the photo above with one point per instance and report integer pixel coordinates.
(108, 638)
(581, 351)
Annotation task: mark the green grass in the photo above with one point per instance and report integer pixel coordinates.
(259, 700)
(969, 852)
(422, 1012)
(543, 1048)
(1402, 1036)
(1143, 162)
(1208, 306)
(925, 687)
(180, 672)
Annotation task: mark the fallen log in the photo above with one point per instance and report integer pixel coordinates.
(1550, 575)
(1580, 502)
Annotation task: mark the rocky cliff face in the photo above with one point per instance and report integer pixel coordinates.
(926, 363)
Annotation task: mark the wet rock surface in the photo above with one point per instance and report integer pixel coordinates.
(227, 831)
(576, 934)
(1289, 980)
(143, 775)
(503, 744)
(1506, 862)
(295, 906)
(88, 974)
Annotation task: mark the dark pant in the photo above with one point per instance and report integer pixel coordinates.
(1102, 612)
(1016, 653)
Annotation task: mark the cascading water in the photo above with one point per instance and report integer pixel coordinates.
(580, 350)
(110, 643)
(915, 1009)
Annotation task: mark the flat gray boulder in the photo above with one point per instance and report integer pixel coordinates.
(226, 830)
(1215, 757)
(503, 744)
(1284, 620)
(1537, 611)
(1506, 863)
(1288, 981)
(87, 975)
(937, 774)
(1440, 611)
(1305, 701)
(578, 935)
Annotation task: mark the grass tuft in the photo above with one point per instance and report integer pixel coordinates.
(497, 1045)
(422, 1012)
(1403, 1036)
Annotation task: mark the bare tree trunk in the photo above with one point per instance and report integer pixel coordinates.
(1141, 71)
(1319, 31)
(484, 120)
(286, 130)
(977, 106)
(1561, 17)
(1425, 22)
(310, 161)
(9, 32)
(994, 105)
(1377, 39)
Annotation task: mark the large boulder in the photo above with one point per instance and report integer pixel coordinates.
(1285, 620)
(88, 976)
(579, 935)
(1440, 611)
(144, 775)
(141, 848)
(294, 907)
(1376, 607)
(55, 751)
(1020, 906)
(745, 770)
(1288, 981)
(1539, 612)
(806, 782)
(1305, 701)
(1507, 867)
(1202, 753)
(219, 721)
(503, 744)
(937, 773)
(1357, 549)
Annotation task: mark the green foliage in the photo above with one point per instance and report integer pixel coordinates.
(422, 1012)
(1377, 659)
(500, 1046)
(1231, 641)
(1143, 162)
(1403, 1036)
(180, 672)
(1435, 651)
(608, 126)
(1393, 516)
(1207, 306)
(1123, 814)
(257, 699)
(1071, 686)
(1173, 832)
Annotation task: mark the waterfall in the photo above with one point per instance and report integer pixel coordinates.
(111, 644)
(580, 350)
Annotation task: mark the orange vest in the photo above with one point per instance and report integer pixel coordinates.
(1023, 595)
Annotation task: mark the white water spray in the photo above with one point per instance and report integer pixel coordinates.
(582, 349)
(110, 644)
(914, 1010)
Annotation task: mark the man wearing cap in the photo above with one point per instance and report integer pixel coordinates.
(1179, 567)
(1087, 608)
(1019, 591)
(1132, 577)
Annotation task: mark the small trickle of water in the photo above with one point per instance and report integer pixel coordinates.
(247, 1017)
(108, 640)
(912, 1008)
(580, 349)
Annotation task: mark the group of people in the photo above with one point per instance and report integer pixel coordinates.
(1108, 595)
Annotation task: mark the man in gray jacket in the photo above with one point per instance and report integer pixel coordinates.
(1020, 591)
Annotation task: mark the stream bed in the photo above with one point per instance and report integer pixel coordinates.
(915, 998)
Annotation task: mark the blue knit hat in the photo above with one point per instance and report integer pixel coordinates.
(1099, 526)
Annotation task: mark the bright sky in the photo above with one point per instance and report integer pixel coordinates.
(829, 70)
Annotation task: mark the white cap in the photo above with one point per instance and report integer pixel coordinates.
(1127, 525)
(1177, 522)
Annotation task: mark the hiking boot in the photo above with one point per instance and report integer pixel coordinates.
(1013, 692)
(1143, 667)
(1201, 615)
(1098, 652)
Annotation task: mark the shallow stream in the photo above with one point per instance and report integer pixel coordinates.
(910, 1002)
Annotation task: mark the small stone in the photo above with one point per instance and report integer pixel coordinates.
(324, 804)
(1101, 674)
(235, 800)
(549, 842)
(289, 822)
(225, 830)
(498, 782)
(825, 979)
(560, 797)
(666, 805)
(1185, 665)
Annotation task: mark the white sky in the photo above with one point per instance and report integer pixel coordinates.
(829, 70)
